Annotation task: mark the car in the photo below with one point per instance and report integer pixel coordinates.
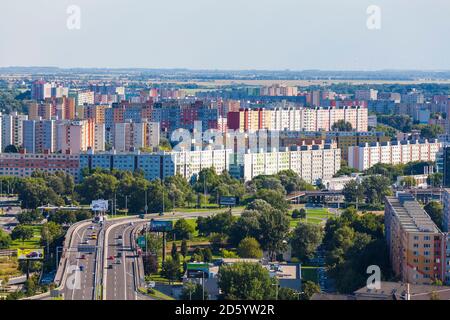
(118, 261)
(91, 228)
(161, 214)
(34, 255)
(110, 266)
(83, 256)
(81, 268)
(131, 224)
(111, 258)
(119, 237)
(119, 255)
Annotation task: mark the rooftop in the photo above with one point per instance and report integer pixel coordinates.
(411, 215)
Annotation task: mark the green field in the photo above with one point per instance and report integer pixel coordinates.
(313, 216)
(29, 244)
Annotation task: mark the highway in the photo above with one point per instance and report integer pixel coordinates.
(82, 288)
(120, 263)
(111, 271)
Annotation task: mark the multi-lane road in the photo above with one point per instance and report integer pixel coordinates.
(81, 267)
(113, 270)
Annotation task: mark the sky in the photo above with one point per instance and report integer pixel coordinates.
(227, 34)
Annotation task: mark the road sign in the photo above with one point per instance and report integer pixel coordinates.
(197, 270)
(30, 254)
(161, 225)
(86, 248)
(99, 205)
(141, 241)
(227, 201)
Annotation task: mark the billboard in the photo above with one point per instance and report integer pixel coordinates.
(161, 225)
(227, 201)
(30, 254)
(99, 205)
(197, 270)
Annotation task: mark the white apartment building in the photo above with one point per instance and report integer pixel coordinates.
(86, 97)
(366, 155)
(311, 163)
(190, 163)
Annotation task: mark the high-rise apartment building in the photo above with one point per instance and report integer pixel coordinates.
(417, 248)
(311, 163)
(12, 129)
(366, 155)
(39, 136)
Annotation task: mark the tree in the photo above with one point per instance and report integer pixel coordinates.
(218, 241)
(219, 223)
(193, 291)
(435, 179)
(174, 251)
(430, 131)
(183, 230)
(154, 243)
(275, 198)
(29, 217)
(246, 281)
(11, 149)
(34, 192)
(22, 232)
(436, 212)
(50, 232)
(250, 248)
(305, 240)
(408, 182)
(285, 293)
(353, 192)
(5, 240)
(376, 188)
(309, 289)
(184, 248)
(170, 269)
(342, 125)
(400, 121)
(97, 186)
(387, 130)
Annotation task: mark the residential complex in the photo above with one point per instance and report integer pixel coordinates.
(297, 118)
(366, 155)
(417, 248)
(311, 163)
(159, 165)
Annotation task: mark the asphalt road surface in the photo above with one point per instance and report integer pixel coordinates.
(86, 288)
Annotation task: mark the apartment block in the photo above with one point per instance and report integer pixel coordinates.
(23, 164)
(159, 165)
(311, 163)
(12, 129)
(297, 118)
(417, 248)
(366, 155)
(39, 136)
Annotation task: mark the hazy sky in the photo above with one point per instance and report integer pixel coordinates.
(227, 34)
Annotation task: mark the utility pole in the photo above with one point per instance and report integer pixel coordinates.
(146, 206)
(126, 203)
